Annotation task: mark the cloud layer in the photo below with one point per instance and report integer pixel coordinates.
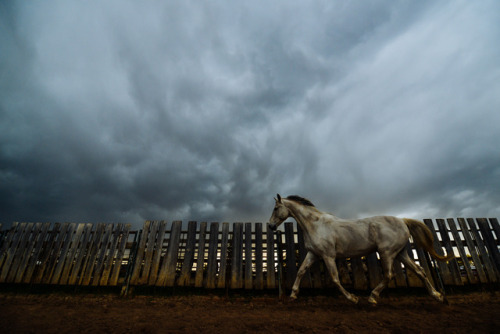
(121, 111)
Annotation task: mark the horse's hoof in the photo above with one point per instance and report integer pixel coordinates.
(372, 301)
(292, 298)
(354, 299)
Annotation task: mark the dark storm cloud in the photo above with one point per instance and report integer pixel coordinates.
(123, 112)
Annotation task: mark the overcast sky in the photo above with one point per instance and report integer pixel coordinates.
(122, 111)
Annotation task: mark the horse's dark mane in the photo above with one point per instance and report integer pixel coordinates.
(301, 200)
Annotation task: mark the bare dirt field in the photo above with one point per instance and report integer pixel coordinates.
(468, 312)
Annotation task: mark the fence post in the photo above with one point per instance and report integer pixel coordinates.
(280, 265)
(131, 264)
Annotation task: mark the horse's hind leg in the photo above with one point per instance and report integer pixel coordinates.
(308, 261)
(405, 259)
(387, 265)
(332, 268)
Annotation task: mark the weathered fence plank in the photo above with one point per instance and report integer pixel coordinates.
(73, 247)
(101, 255)
(237, 261)
(291, 259)
(212, 256)
(33, 262)
(6, 245)
(221, 282)
(157, 251)
(248, 256)
(461, 251)
(446, 241)
(472, 250)
(259, 268)
(55, 254)
(411, 277)
(108, 261)
(11, 251)
(488, 265)
(169, 267)
(61, 258)
(81, 256)
(270, 252)
(185, 278)
(19, 254)
(88, 267)
(140, 253)
(491, 245)
(200, 261)
(119, 257)
(443, 268)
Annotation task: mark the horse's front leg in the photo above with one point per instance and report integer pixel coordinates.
(306, 264)
(332, 268)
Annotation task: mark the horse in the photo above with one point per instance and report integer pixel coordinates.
(328, 237)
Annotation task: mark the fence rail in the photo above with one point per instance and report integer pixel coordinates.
(223, 255)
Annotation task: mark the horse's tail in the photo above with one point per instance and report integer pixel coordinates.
(424, 238)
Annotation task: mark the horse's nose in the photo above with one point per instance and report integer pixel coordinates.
(272, 227)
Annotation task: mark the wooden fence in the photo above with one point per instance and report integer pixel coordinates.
(223, 255)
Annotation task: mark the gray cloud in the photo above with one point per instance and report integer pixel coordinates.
(124, 112)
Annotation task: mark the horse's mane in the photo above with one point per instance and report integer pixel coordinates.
(301, 200)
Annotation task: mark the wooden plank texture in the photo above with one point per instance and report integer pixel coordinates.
(446, 241)
(212, 256)
(70, 258)
(20, 253)
(442, 267)
(221, 281)
(153, 277)
(54, 256)
(248, 256)
(6, 244)
(271, 265)
(291, 258)
(490, 243)
(35, 258)
(200, 261)
(11, 251)
(78, 269)
(110, 257)
(149, 252)
(119, 257)
(259, 274)
(483, 253)
(68, 238)
(464, 228)
(169, 266)
(237, 261)
(187, 265)
(461, 251)
(89, 264)
(139, 257)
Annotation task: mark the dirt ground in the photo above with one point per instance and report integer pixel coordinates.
(468, 312)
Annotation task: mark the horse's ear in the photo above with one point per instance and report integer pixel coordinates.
(279, 198)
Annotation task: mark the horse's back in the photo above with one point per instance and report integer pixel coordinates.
(387, 231)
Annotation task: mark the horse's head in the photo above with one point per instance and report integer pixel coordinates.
(280, 214)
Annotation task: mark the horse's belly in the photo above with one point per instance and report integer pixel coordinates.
(355, 251)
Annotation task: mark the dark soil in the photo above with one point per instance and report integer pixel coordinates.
(468, 312)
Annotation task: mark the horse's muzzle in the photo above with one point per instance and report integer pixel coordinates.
(273, 227)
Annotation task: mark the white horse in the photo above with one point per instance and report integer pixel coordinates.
(329, 237)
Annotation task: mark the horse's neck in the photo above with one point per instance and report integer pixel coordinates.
(305, 216)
